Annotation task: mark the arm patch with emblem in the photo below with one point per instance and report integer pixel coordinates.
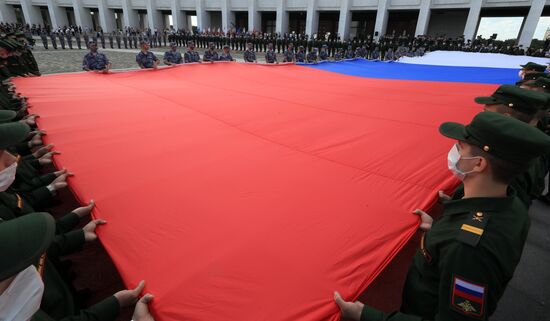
(468, 298)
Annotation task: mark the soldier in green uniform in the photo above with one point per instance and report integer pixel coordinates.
(24, 243)
(467, 257)
(42, 286)
(523, 105)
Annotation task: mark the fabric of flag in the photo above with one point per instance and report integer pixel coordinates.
(254, 196)
(396, 70)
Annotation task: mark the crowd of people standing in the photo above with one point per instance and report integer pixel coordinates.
(391, 46)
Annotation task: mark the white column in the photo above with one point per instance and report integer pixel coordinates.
(106, 16)
(58, 15)
(423, 18)
(473, 20)
(226, 15)
(7, 13)
(312, 18)
(345, 19)
(178, 16)
(31, 13)
(530, 24)
(82, 15)
(129, 15)
(203, 20)
(154, 17)
(254, 18)
(381, 18)
(281, 24)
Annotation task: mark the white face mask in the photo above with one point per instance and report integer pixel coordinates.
(452, 162)
(521, 74)
(22, 298)
(7, 176)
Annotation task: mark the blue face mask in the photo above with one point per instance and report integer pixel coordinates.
(452, 162)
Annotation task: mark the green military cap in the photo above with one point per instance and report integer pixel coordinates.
(541, 82)
(533, 66)
(7, 115)
(504, 137)
(522, 100)
(13, 133)
(23, 240)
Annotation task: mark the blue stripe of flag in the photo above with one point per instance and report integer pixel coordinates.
(470, 292)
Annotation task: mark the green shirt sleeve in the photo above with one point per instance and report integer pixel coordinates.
(66, 223)
(106, 310)
(471, 281)
(66, 243)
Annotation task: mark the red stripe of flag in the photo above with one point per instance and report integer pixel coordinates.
(468, 296)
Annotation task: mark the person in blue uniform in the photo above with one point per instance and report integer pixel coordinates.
(173, 56)
(94, 60)
(146, 59)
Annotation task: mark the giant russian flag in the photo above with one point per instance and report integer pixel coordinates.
(251, 192)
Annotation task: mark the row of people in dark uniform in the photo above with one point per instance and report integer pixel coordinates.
(392, 43)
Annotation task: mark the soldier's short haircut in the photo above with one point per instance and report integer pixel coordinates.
(503, 171)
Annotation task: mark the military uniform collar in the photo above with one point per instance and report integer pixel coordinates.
(483, 204)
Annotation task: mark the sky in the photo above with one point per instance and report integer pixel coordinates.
(508, 27)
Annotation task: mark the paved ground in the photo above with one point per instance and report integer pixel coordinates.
(527, 297)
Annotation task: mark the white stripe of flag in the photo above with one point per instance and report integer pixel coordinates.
(470, 286)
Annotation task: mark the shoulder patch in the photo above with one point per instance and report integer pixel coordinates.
(473, 227)
(468, 298)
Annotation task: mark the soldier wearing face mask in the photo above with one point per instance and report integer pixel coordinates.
(27, 189)
(24, 244)
(523, 105)
(469, 255)
(24, 288)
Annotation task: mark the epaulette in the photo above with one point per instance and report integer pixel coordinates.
(473, 227)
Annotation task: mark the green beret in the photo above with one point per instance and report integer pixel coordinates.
(23, 240)
(13, 133)
(520, 99)
(7, 115)
(504, 137)
(533, 66)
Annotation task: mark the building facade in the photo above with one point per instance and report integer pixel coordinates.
(348, 18)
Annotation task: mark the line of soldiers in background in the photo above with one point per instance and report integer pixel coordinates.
(388, 47)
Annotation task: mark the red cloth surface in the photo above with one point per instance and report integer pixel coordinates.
(250, 192)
